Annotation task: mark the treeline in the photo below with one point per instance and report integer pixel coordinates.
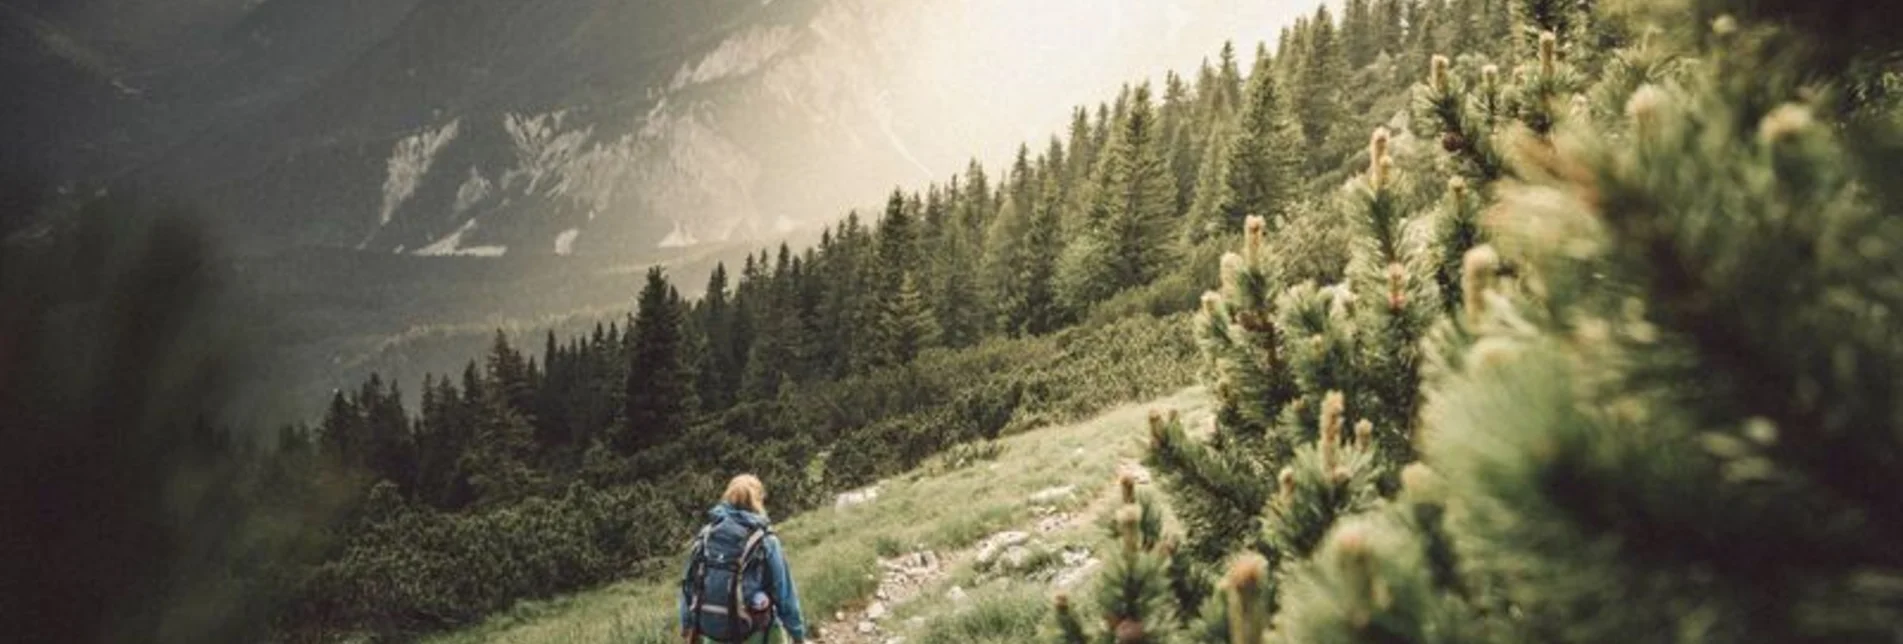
(957, 312)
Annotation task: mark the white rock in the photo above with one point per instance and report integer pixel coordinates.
(1015, 557)
(856, 497)
(1075, 556)
(997, 543)
(956, 594)
(866, 628)
(876, 611)
(1076, 573)
(1052, 495)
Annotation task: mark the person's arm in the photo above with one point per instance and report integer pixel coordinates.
(786, 596)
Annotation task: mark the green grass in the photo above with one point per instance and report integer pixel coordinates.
(834, 551)
(1002, 613)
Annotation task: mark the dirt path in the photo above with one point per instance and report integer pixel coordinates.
(912, 575)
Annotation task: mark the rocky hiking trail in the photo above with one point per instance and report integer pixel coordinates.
(915, 557)
(923, 575)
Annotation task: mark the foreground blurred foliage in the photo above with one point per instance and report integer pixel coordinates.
(1657, 401)
(134, 516)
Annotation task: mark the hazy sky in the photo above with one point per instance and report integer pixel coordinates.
(958, 79)
(1022, 64)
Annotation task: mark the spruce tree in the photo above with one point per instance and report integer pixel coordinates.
(1007, 249)
(1208, 216)
(1359, 34)
(1180, 138)
(1124, 235)
(1317, 90)
(720, 379)
(660, 385)
(1038, 272)
(340, 435)
(903, 316)
(1226, 96)
(497, 465)
(1264, 163)
(956, 298)
(1081, 153)
(389, 450)
(907, 325)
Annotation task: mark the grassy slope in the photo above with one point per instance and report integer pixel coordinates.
(834, 551)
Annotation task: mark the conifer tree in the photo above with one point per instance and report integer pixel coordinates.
(1041, 313)
(1317, 90)
(1135, 597)
(1007, 250)
(1081, 153)
(1124, 235)
(1264, 161)
(1177, 123)
(390, 447)
(905, 320)
(1652, 425)
(898, 240)
(1474, 120)
(1374, 580)
(444, 433)
(1389, 30)
(956, 257)
(1207, 214)
(660, 384)
(510, 373)
(1226, 97)
(719, 380)
(340, 435)
(1316, 387)
(1393, 274)
(907, 326)
(497, 464)
(1359, 34)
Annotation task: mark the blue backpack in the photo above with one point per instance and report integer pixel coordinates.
(727, 581)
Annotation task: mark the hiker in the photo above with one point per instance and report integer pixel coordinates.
(737, 585)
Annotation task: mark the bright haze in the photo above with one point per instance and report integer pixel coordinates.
(566, 126)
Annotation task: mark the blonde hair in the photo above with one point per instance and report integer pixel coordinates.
(747, 493)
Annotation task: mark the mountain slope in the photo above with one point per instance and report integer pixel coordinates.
(576, 126)
(1044, 483)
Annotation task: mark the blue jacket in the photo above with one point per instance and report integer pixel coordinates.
(786, 597)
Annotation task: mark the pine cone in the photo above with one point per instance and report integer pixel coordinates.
(1453, 142)
(1130, 631)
